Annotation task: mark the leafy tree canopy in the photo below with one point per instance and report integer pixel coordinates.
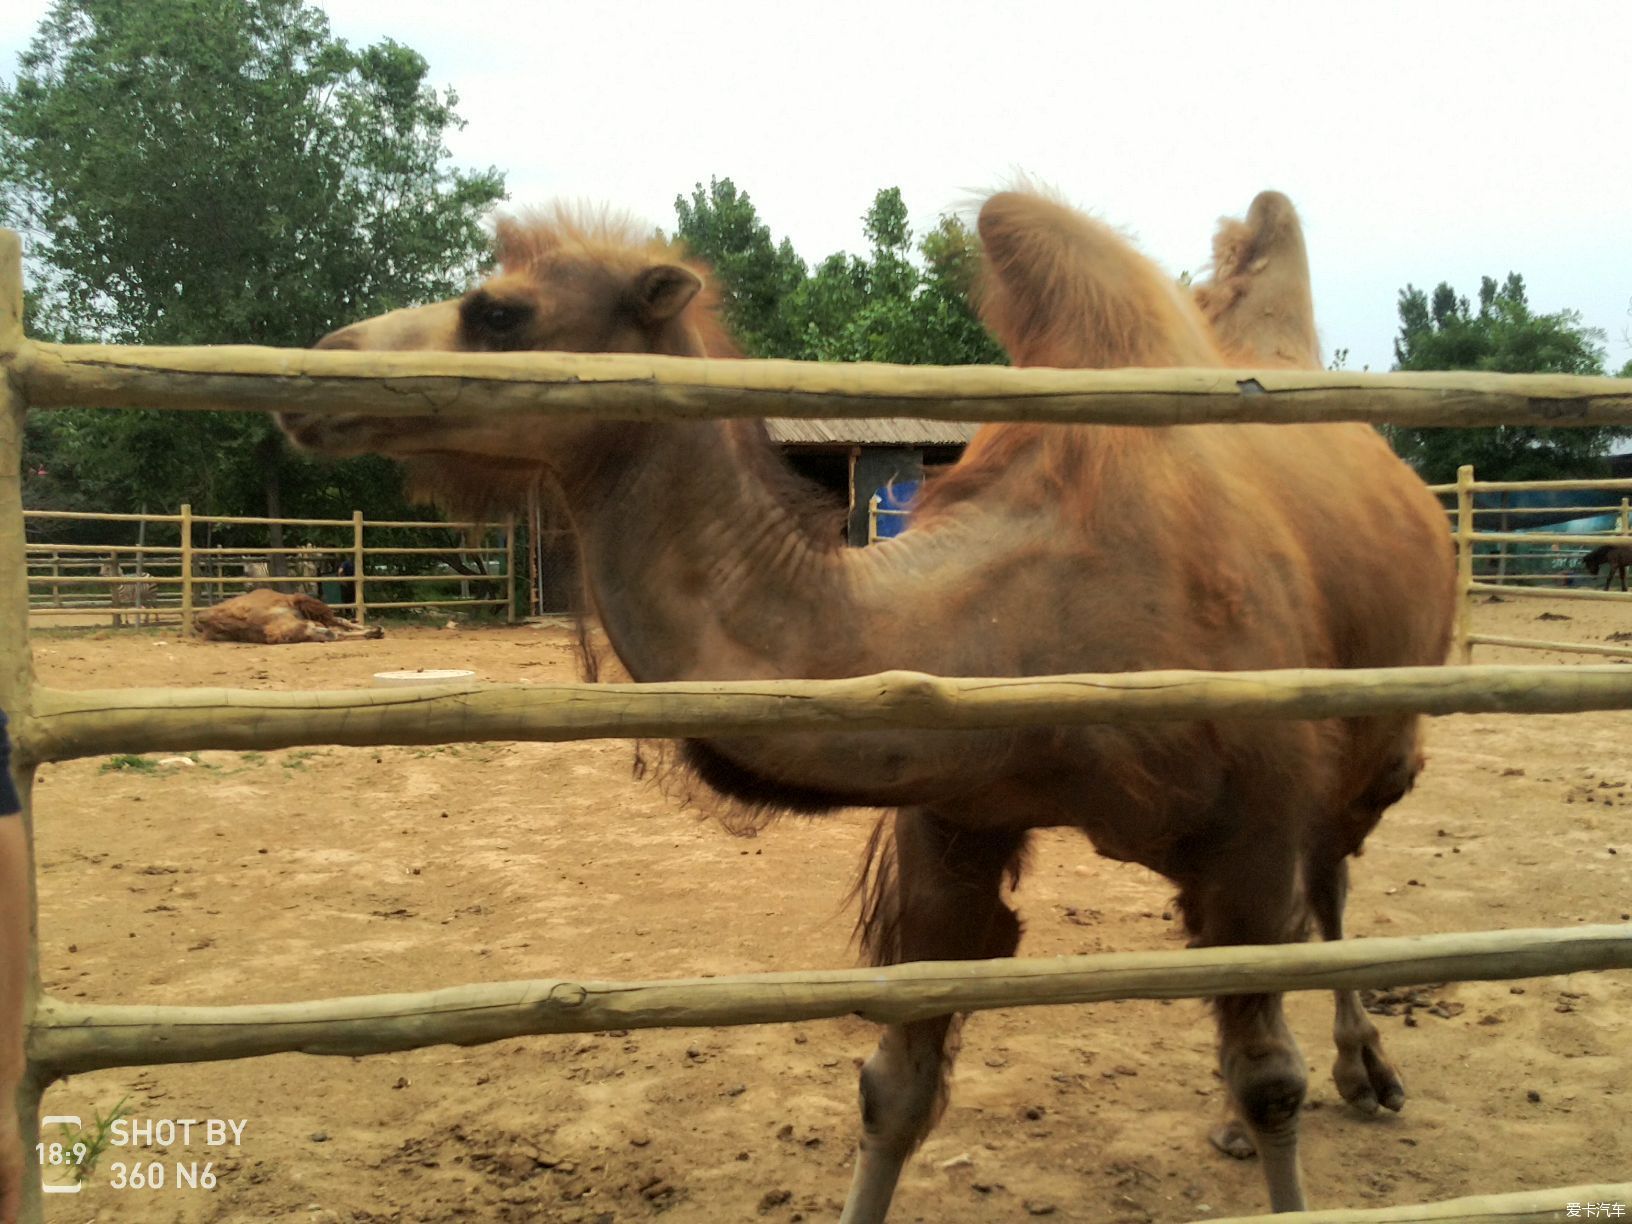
(209, 171)
(900, 302)
(1445, 332)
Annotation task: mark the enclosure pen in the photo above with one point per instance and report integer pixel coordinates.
(53, 725)
(178, 593)
(1468, 539)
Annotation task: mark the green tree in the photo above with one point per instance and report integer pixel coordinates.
(887, 306)
(1444, 332)
(897, 303)
(209, 171)
(721, 227)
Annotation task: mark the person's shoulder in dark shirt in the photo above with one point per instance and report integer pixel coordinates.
(9, 803)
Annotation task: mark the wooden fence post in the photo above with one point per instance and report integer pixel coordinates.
(1464, 563)
(360, 612)
(1501, 548)
(1621, 524)
(186, 567)
(17, 875)
(510, 569)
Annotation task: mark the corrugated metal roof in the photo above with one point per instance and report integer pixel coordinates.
(892, 431)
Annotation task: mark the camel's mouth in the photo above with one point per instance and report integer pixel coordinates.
(339, 437)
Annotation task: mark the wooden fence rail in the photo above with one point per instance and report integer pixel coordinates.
(629, 387)
(67, 723)
(1522, 1207)
(186, 589)
(70, 1038)
(55, 725)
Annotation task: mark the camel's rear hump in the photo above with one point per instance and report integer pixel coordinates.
(1258, 300)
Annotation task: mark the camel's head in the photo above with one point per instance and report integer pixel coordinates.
(565, 283)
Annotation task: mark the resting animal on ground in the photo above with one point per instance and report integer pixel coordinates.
(1046, 549)
(1616, 556)
(273, 619)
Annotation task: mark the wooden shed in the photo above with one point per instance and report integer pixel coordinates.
(859, 458)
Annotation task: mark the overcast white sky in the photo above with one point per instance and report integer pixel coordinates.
(1422, 141)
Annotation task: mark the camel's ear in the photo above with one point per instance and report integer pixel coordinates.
(661, 292)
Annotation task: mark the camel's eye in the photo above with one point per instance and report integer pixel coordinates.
(497, 317)
(493, 321)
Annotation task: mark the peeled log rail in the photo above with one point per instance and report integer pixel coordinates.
(1525, 1207)
(1552, 537)
(1496, 588)
(68, 1038)
(64, 724)
(627, 387)
(1614, 652)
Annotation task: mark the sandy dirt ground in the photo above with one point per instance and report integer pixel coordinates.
(328, 871)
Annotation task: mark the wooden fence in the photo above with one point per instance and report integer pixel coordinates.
(56, 725)
(1563, 551)
(71, 581)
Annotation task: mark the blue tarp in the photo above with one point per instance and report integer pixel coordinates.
(896, 496)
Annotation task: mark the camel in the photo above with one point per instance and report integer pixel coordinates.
(268, 618)
(1046, 549)
(1616, 556)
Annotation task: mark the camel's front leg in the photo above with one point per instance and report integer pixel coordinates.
(903, 1090)
(935, 894)
(351, 629)
(1249, 895)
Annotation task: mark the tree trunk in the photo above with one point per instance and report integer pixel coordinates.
(277, 563)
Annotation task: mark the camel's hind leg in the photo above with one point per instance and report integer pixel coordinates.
(1364, 1076)
(934, 893)
(1251, 896)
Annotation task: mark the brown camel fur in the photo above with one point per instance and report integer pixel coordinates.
(1047, 549)
(270, 619)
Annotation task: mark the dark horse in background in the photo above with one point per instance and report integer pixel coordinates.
(1616, 556)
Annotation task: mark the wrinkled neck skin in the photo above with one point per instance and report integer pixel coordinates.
(701, 570)
(696, 569)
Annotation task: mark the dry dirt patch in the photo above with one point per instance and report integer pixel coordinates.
(328, 871)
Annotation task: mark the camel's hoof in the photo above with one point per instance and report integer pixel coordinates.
(1368, 1082)
(1233, 1140)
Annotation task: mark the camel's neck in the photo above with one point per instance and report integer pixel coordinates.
(701, 561)
(703, 566)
